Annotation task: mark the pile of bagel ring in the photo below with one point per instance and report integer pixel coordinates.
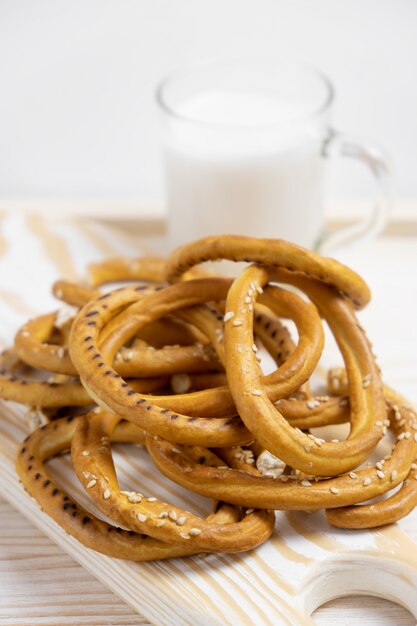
(171, 360)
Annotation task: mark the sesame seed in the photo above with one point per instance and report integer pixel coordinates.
(256, 392)
(91, 483)
(344, 402)
(249, 511)
(172, 515)
(184, 536)
(407, 435)
(60, 352)
(367, 482)
(160, 522)
(237, 322)
(142, 517)
(380, 474)
(394, 475)
(228, 316)
(387, 422)
(378, 423)
(194, 532)
(334, 490)
(247, 300)
(378, 465)
(181, 520)
(259, 289)
(306, 483)
(106, 494)
(250, 292)
(353, 475)
(413, 466)
(254, 348)
(415, 437)
(134, 498)
(401, 436)
(384, 430)
(163, 514)
(152, 499)
(85, 453)
(312, 404)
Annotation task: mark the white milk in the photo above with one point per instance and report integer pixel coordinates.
(244, 164)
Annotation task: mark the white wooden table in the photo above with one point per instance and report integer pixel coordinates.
(39, 584)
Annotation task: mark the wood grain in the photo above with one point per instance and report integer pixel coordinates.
(35, 589)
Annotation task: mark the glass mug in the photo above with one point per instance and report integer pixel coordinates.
(245, 145)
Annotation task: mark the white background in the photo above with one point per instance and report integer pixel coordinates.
(77, 116)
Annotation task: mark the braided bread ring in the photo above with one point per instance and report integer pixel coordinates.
(92, 532)
(272, 253)
(256, 410)
(109, 390)
(284, 493)
(93, 435)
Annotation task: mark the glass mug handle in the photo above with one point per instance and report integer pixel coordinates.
(340, 145)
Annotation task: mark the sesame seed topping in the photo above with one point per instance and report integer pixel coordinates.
(380, 474)
(254, 348)
(249, 511)
(181, 520)
(106, 494)
(247, 300)
(413, 466)
(394, 475)
(344, 402)
(401, 436)
(228, 316)
(152, 499)
(85, 453)
(259, 289)
(306, 483)
(407, 435)
(334, 490)
(237, 322)
(367, 482)
(160, 522)
(415, 437)
(142, 517)
(194, 532)
(353, 475)
(256, 392)
(378, 465)
(163, 514)
(91, 483)
(184, 535)
(172, 515)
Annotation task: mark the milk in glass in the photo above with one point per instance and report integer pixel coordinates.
(243, 163)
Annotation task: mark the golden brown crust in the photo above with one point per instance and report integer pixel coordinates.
(274, 253)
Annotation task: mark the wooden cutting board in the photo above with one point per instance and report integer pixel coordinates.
(305, 563)
(302, 566)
